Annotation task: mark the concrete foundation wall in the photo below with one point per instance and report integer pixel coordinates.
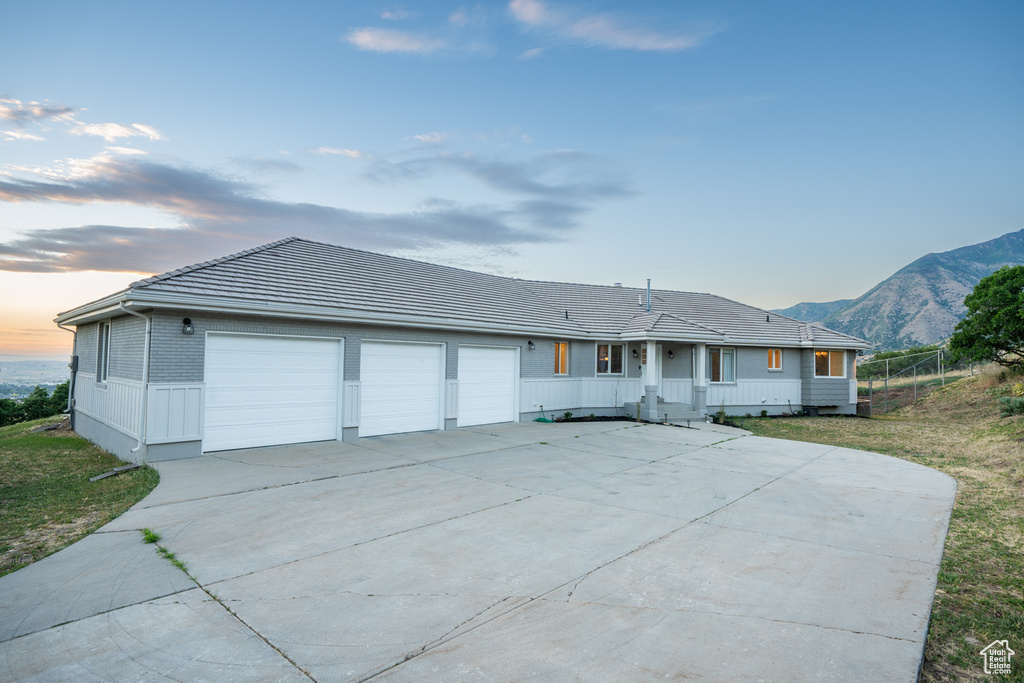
(109, 439)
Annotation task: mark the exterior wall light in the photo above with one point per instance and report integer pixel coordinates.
(187, 329)
(636, 354)
(530, 345)
(670, 354)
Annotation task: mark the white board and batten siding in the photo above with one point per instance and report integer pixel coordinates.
(401, 387)
(754, 392)
(264, 390)
(174, 412)
(117, 402)
(577, 393)
(488, 385)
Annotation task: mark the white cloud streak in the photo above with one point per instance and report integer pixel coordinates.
(373, 39)
(339, 151)
(603, 30)
(111, 132)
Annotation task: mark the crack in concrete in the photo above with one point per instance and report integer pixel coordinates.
(735, 616)
(445, 638)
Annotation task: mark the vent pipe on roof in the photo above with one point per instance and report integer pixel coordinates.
(618, 284)
(648, 295)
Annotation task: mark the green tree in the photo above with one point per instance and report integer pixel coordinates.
(10, 412)
(36, 404)
(994, 326)
(59, 398)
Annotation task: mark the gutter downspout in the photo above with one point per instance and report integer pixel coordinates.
(145, 376)
(74, 372)
(648, 295)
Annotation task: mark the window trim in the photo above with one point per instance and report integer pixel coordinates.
(622, 360)
(562, 369)
(829, 352)
(103, 352)
(720, 349)
(772, 353)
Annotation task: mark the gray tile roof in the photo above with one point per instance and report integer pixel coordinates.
(299, 272)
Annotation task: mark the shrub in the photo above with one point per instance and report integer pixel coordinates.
(764, 413)
(1011, 405)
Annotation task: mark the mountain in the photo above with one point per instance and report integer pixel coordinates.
(812, 312)
(922, 302)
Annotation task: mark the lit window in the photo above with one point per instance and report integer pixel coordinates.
(774, 359)
(723, 365)
(561, 358)
(609, 359)
(830, 364)
(103, 353)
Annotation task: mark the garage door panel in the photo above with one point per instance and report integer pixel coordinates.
(265, 390)
(487, 385)
(400, 387)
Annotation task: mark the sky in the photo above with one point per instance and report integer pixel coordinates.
(769, 152)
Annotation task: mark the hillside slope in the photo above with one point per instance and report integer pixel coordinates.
(922, 302)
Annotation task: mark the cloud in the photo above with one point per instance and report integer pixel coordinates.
(16, 135)
(263, 165)
(395, 14)
(389, 40)
(20, 113)
(535, 52)
(604, 30)
(125, 150)
(111, 132)
(432, 138)
(563, 176)
(340, 151)
(213, 215)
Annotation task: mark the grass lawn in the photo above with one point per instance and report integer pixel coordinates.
(46, 499)
(957, 430)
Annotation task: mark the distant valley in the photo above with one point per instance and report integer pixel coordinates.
(922, 302)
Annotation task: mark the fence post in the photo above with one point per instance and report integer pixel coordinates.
(941, 369)
(915, 382)
(885, 408)
(871, 397)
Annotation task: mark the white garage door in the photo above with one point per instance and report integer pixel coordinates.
(265, 391)
(487, 385)
(400, 386)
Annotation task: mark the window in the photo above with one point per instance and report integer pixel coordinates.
(830, 363)
(723, 365)
(775, 359)
(561, 358)
(609, 359)
(103, 353)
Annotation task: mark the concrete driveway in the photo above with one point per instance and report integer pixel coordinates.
(590, 552)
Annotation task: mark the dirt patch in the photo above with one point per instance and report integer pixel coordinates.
(47, 539)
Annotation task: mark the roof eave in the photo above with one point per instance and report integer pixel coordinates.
(139, 300)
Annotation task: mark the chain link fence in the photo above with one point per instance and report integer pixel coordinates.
(889, 383)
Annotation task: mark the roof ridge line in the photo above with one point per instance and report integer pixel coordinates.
(694, 323)
(206, 264)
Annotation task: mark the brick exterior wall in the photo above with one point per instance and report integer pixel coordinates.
(127, 347)
(85, 344)
(180, 358)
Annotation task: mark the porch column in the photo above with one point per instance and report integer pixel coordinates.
(649, 411)
(700, 378)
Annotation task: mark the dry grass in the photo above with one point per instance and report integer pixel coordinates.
(46, 499)
(957, 430)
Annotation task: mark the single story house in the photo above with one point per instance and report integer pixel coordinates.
(299, 341)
